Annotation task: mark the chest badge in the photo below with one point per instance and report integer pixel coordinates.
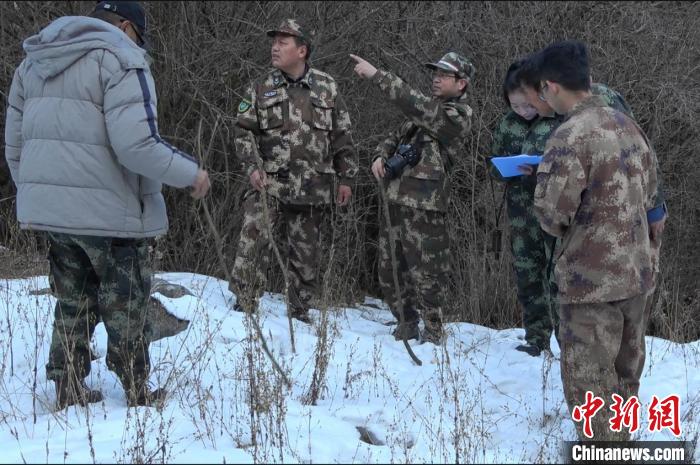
(270, 93)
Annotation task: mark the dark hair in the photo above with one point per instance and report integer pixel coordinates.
(466, 85)
(299, 41)
(565, 63)
(529, 74)
(511, 82)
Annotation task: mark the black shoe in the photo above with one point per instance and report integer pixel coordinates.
(406, 330)
(147, 398)
(434, 336)
(69, 393)
(303, 317)
(530, 349)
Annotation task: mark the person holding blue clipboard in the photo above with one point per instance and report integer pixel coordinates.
(521, 137)
(518, 144)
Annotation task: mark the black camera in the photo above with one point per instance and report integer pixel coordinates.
(406, 154)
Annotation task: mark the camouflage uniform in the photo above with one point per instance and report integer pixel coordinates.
(419, 197)
(595, 184)
(612, 98)
(296, 233)
(298, 132)
(95, 277)
(531, 247)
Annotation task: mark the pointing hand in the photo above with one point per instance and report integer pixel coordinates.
(363, 68)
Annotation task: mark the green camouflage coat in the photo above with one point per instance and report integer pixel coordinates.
(530, 246)
(444, 123)
(299, 133)
(508, 140)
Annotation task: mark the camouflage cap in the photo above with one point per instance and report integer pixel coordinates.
(292, 28)
(455, 63)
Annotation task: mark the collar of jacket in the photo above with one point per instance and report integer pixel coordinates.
(553, 116)
(280, 78)
(311, 80)
(458, 99)
(589, 102)
(513, 116)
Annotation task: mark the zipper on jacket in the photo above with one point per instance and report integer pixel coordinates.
(139, 194)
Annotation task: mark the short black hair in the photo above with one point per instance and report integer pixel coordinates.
(511, 82)
(529, 73)
(299, 41)
(565, 63)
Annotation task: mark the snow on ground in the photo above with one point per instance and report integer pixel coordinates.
(475, 400)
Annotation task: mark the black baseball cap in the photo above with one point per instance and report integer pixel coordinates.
(131, 11)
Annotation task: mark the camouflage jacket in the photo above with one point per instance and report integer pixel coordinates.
(508, 138)
(516, 135)
(614, 99)
(594, 186)
(299, 133)
(443, 126)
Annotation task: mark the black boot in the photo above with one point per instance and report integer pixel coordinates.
(301, 315)
(146, 398)
(69, 392)
(433, 334)
(530, 349)
(409, 330)
(237, 308)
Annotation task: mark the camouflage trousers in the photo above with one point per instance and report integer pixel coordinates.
(96, 278)
(603, 351)
(295, 231)
(422, 255)
(532, 249)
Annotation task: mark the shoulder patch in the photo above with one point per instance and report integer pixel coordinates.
(244, 106)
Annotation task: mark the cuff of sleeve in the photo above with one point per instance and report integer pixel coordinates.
(181, 173)
(379, 76)
(249, 169)
(656, 213)
(252, 167)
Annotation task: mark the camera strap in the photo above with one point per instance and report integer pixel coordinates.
(416, 132)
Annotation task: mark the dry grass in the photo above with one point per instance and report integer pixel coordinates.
(206, 53)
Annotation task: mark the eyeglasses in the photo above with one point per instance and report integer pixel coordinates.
(543, 87)
(442, 75)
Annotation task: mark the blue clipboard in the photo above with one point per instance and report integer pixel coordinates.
(508, 166)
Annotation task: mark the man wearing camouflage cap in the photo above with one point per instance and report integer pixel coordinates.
(413, 163)
(293, 139)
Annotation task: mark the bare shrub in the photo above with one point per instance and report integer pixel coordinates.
(206, 52)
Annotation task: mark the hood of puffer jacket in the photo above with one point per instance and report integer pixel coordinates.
(67, 39)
